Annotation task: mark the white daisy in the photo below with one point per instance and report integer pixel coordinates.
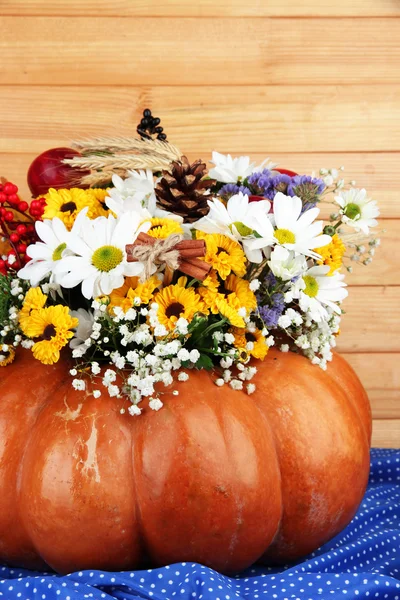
(84, 329)
(285, 265)
(318, 290)
(293, 230)
(232, 170)
(238, 220)
(136, 193)
(357, 209)
(47, 253)
(100, 261)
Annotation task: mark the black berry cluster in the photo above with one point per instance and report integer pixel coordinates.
(149, 127)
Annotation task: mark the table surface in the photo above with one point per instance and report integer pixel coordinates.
(311, 84)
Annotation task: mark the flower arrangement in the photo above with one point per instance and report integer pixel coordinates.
(146, 266)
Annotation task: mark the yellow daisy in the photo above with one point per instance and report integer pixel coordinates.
(332, 254)
(100, 209)
(238, 289)
(242, 337)
(225, 255)
(34, 299)
(211, 282)
(66, 204)
(163, 228)
(132, 288)
(53, 326)
(175, 301)
(9, 358)
(234, 290)
(230, 313)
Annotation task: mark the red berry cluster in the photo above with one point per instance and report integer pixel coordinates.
(17, 225)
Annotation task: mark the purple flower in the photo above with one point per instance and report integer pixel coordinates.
(269, 280)
(230, 189)
(307, 188)
(271, 312)
(266, 184)
(270, 315)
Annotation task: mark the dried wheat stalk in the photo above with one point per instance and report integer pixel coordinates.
(123, 155)
(121, 144)
(123, 162)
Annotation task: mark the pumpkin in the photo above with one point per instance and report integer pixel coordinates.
(216, 476)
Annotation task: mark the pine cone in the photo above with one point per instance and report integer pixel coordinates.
(182, 190)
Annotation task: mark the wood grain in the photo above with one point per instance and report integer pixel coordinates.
(162, 50)
(371, 322)
(385, 404)
(376, 172)
(264, 119)
(204, 8)
(386, 433)
(384, 377)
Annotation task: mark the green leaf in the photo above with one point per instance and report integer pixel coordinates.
(5, 297)
(204, 362)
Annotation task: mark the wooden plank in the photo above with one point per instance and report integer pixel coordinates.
(385, 404)
(380, 376)
(376, 172)
(205, 8)
(262, 119)
(379, 372)
(386, 433)
(385, 267)
(371, 322)
(120, 50)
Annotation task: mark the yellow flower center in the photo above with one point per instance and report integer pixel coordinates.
(284, 236)
(57, 254)
(312, 287)
(106, 258)
(242, 229)
(352, 211)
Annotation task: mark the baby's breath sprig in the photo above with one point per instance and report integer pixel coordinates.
(12, 294)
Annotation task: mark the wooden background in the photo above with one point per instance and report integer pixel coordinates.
(310, 83)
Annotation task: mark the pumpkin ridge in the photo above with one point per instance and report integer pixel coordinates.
(46, 401)
(363, 410)
(28, 411)
(273, 437)
(306, 412)
(138, 510)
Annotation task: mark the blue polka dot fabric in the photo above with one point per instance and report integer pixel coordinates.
(362, 562)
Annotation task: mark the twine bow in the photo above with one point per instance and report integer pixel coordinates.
(174, 252)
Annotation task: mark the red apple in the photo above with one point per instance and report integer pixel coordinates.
(48, 171)
(286, 172)
(255, 198)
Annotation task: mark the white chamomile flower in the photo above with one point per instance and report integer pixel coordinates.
(135, 193)
(293, 230)
(84, 329)
(358, 210)
(232, 170)
(238, 220)
(285, 265)
(100, 262)
(319, 290)
(46, 253)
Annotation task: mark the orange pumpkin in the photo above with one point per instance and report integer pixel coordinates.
(215, 476)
